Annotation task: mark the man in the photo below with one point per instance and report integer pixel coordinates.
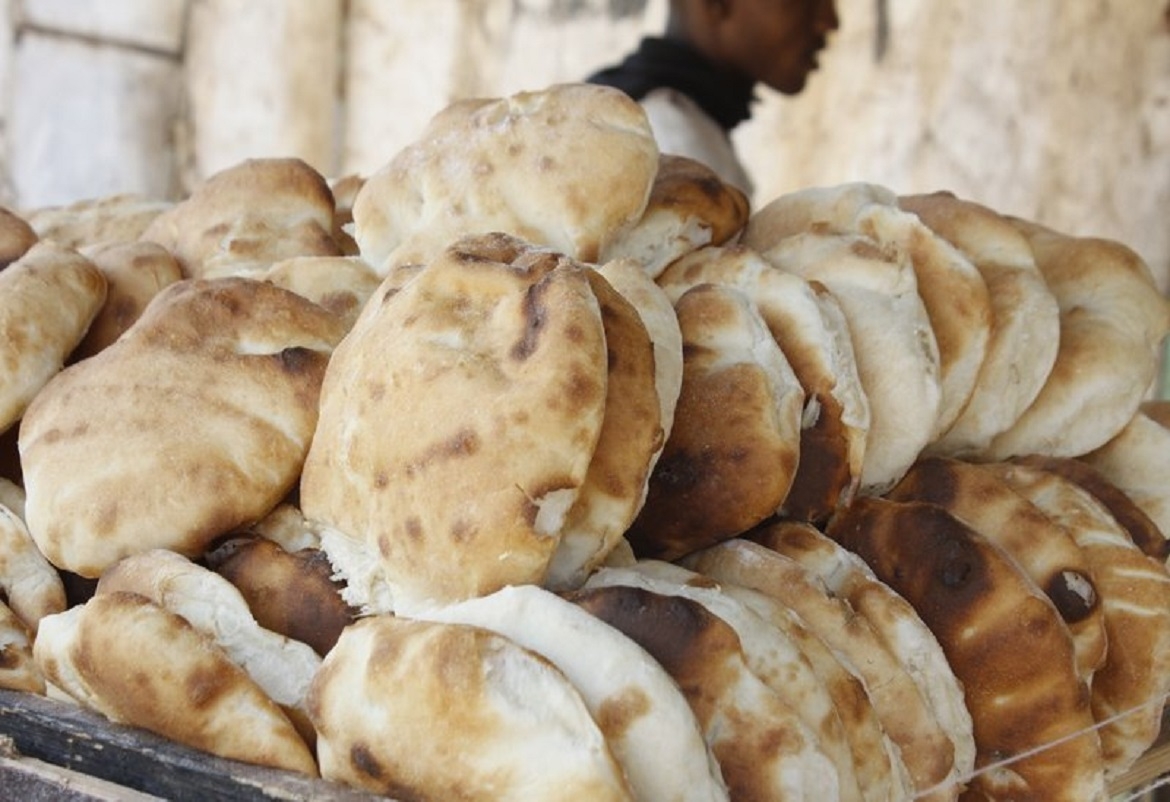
(697, 82)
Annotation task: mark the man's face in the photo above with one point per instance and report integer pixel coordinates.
(776, 42)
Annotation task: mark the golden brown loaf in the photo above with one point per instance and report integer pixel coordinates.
(195, 421)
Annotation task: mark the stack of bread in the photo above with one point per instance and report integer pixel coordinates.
(539, 465)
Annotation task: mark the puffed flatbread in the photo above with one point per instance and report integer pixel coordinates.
(1112, 322)
(383, 708)
(922, 745)
(893, 343)
(458, 419)
(569, 167)
(767, 650)
(1044, 550)
(138, 664)
(29, 585)
(18, 670)
(194, 422)
(953, 292)
(1033, 727)
(732, 454)
(807, 322)
(93, 223)
(1130, 689)
(16, 237)
(689, 207)
(341, 284)
(641, 711)
(893, 619)
(763, 750)
(245, 217)
(48, 298)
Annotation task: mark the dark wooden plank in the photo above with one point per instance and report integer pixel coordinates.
(82, 741)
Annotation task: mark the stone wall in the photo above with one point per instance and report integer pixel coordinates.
(1054, 110)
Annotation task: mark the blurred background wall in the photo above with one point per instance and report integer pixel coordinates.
(1056, 110)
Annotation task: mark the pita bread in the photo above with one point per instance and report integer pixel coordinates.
(135, 272)
(291, 593)
(1130, 689)
(16, 237)
(569, 167)
(1044, 550)
(733, 451)
(281, 667)
(94, 223)
(285, 525)
(763, 749)
(657, 312)
(1032, 723)
(458, 420)
(894, 620)
(923, 747)
(627, 447)
(29, 585)
(1136, 460)
(953, 292)
(1112, 322)
(689, 207)
(107, 654)
(767, 650)
(345, 190)
(196, 421)
(881, 773)
(893, 342)
(341, 284)
(18, 670)
(48, 298)
(810, 328)
(248, 216)
(12, 497)
(382, 708)
(646, 720)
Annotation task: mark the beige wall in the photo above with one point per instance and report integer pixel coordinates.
(1058, 110)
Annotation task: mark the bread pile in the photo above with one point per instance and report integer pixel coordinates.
(539, 465)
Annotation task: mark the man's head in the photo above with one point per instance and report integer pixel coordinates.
(774, 42)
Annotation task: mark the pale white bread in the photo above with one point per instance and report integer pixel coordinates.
(194, 422)
(48, 298)
(422, 710)
(138, 664)
(570, 167)
(12, 496)
(341, 284)
(689, 207)
(1032, 722)
(16, 237)
(18, 670)
(881, 773)
(245, 217)
(922, 745)
(953, 292)
(345, 190)
(1137, 461)
(1130, 689)
(292, 593)
(628, 445)
(1044, 550)
(286, 526)
(458, 420)
(643, 715)
(733, 451)
(97, 222)
(764, 750)
(1025, 325)
(894, 621)
(1112, 323)
(809, 326)
(29, 585)
(135, 272)
(893, 342)
(280, 666)
(657, 312)
(767, 651)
